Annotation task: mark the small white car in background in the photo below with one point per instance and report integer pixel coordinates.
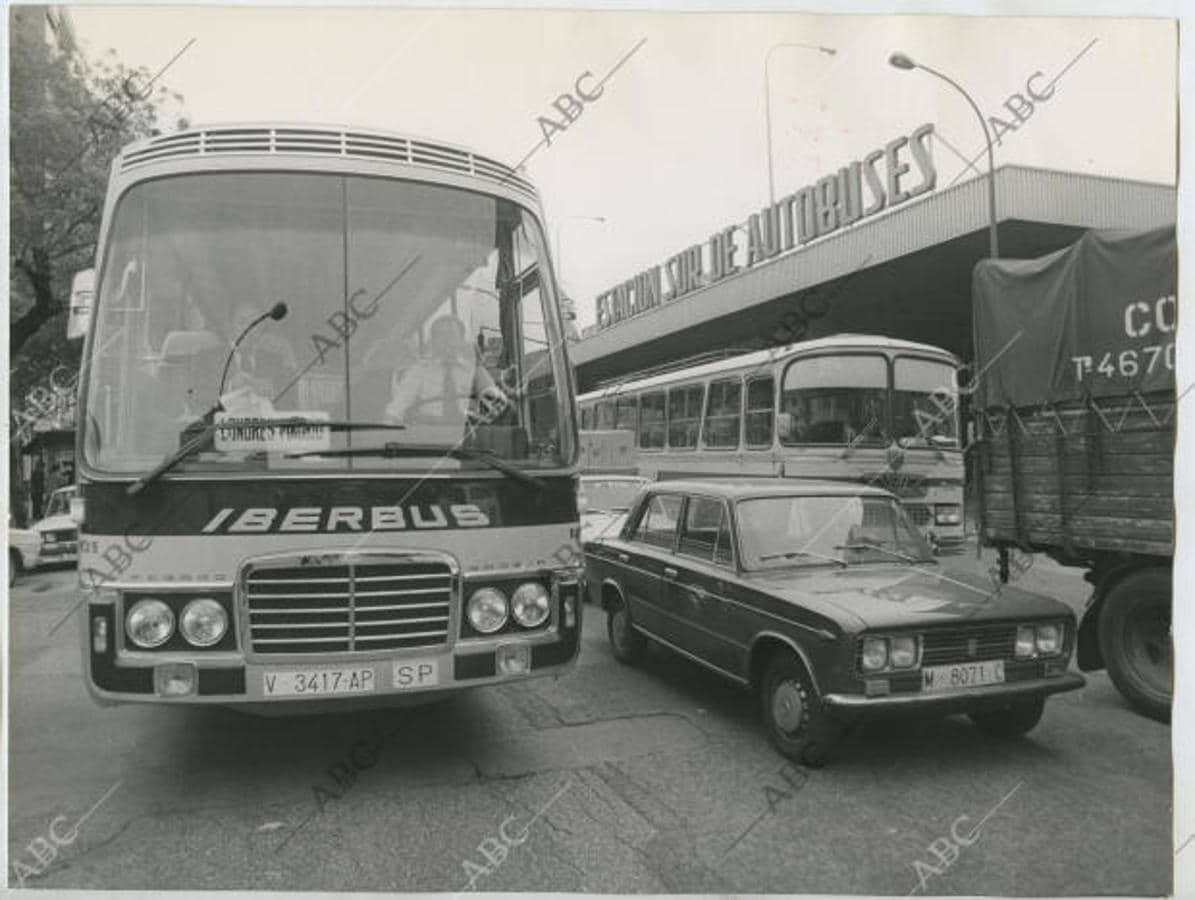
(52, 539)
(603, 502)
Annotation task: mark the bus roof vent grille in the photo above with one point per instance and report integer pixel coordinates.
(323, 142)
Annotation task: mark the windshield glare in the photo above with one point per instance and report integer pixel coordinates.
(408, 304)
(852, 529)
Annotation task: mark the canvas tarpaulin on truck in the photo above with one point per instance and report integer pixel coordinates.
(1096, 319)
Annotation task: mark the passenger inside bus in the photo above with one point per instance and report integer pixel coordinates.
(448, 385)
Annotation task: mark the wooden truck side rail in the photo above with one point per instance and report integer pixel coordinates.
(1079, 480)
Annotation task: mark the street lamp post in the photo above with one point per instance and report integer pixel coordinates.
(903, 61)
(767, 101)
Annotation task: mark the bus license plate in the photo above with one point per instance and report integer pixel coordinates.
(318, 682)
(413, 674)
(964, 675)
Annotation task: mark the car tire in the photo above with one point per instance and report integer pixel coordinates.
(1011, 721)
(14, 567)
(792, 713)
(627, 644)
(1135, 640)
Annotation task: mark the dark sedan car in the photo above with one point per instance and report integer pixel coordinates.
(824, 600)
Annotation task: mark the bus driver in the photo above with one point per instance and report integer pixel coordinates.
(441, 388)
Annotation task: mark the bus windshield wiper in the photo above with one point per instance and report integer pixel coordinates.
(210, 425)
(398, 451)
(792, 554)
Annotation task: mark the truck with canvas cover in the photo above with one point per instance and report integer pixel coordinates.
(1074, 400)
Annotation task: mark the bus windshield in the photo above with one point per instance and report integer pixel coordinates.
(425, 309)
(924, 403)
(835, 399)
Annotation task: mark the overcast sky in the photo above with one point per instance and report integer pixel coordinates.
(674, 148)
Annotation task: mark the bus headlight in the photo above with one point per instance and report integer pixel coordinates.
(529, 604)
(487, 610)
(149, 623)
(203, 622)
(947, 513)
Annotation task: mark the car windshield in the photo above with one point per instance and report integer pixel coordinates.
(775, 532)
(609, 494)
(425, 309)
(60, 503)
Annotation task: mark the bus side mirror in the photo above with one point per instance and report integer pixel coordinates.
(82, 294)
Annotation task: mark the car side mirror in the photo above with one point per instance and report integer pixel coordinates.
(82, 297)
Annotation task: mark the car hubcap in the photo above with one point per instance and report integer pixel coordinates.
(787, 706)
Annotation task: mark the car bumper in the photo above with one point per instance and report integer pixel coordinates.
(852, 706)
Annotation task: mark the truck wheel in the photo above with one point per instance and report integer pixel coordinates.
(626, 643)
(1136, 642)
(792, 713)
(1010, 721)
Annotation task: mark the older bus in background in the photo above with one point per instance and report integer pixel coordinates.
(849, 407)
(327, 446)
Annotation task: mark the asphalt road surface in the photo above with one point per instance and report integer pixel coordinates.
(608, 779)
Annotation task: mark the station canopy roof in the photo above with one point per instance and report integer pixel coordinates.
(904, 274)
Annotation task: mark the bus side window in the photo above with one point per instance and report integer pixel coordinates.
(684, 416)
(760, 405)
(626, 411)
(585, 417)
(605, 415)
(723, 412)
(651, 421)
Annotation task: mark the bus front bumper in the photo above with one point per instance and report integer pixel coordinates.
(309, 686)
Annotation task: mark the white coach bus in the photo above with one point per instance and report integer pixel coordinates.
(849, 407)
(327, 446)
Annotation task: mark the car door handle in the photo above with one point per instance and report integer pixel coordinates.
(669, 572)
(698, 592)
(623, 557)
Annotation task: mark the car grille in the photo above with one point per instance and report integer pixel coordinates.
(352, 607)
(971, 643)
(65, 535)
(919, 513)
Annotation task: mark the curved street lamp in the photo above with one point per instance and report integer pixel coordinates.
(767, 101)
(903, 61)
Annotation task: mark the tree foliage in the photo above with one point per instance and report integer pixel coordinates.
(69, 117)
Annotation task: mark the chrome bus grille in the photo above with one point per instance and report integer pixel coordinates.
(354, 606)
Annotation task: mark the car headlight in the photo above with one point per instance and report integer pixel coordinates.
(902, 652)
(203, 622)
(1026, 644)
(487, 610)
(1049, 639)
(49, 538)
(948, 513)
(529, 604)
(875, 653)
(149, 623)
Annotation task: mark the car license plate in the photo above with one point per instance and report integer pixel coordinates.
(322, 682)
(963, 675)
(412, 674)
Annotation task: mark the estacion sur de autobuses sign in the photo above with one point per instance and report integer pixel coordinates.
(814, 211)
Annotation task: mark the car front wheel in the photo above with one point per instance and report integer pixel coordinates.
(1010, 721)
(626, 643)
(792, 713)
